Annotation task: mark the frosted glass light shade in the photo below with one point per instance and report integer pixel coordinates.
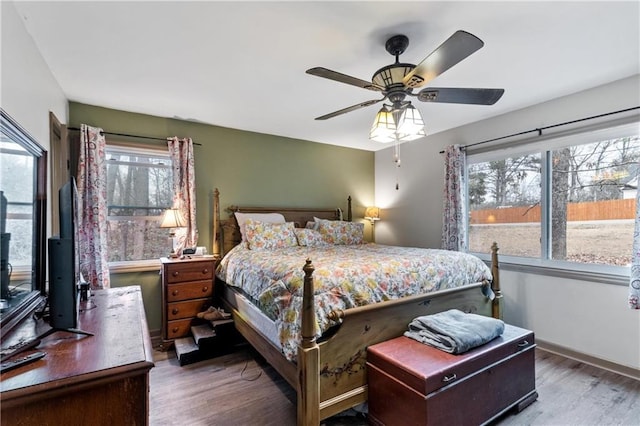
(392, 125)
(411, 125)
(384, 127)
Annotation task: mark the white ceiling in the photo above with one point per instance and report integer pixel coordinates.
(242, 64)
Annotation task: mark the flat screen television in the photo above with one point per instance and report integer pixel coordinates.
(63, 294)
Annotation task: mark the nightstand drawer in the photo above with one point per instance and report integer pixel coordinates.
(190, 271)
(187, 309)
(192, 290)
(179, 328)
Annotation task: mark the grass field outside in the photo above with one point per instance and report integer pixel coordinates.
(607, 242)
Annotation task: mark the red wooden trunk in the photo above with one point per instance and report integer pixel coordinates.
(411, 383)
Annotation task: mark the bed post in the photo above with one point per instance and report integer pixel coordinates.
(308, 358)
(216, 224)
(349, 216)
(497, 307)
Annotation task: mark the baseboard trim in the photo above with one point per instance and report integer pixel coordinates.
(623, 370)
(156, 338)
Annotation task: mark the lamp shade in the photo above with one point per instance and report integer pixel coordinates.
(393, 124)
(411, 125)
(384, 126)
(372, 213)
(172, 218)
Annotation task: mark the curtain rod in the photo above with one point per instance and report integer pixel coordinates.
(131, 136)
(540, 129)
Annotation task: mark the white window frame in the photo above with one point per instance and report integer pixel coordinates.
(609, 274)
(128, 266)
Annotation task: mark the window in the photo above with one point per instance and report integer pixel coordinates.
(16, 205)
(139, 189)
(565, 203)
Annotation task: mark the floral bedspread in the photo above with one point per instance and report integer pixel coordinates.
(345, 276)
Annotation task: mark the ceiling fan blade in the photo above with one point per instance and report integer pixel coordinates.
(458, 95)
(349, 109)
(457, 47)
(343, 78)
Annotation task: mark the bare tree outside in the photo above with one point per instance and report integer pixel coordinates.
(139, 189)
(591, 214)
(560, 161)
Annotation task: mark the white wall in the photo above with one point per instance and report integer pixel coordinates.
(29, 89)
(586, 317)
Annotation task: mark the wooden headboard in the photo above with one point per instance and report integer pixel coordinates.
(226, 232)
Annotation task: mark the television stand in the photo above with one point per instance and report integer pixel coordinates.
(101, 381)
(68, 330)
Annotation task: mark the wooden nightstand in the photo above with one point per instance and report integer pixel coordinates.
(187, 288)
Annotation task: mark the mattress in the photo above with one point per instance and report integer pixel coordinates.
(252, 314)
(345, 276)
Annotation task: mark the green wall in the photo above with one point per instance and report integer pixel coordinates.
(149, 282)
(247, 168)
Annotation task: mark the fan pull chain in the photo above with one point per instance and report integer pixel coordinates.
(396, 159)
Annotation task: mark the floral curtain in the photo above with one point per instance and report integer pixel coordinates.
(634, 282)
(184, 190)
(92, 200)
(453, 226)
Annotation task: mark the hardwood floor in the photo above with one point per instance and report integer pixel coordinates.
(240, 389)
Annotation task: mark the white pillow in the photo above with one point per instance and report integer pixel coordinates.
(261, 217)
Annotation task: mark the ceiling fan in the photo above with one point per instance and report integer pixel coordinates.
(398, 80)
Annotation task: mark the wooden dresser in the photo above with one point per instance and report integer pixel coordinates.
(187, 288)
(94, 380)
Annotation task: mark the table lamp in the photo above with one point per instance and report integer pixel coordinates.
(172, 219)
(372, 214)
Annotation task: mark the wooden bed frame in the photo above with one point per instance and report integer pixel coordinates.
(330, 376)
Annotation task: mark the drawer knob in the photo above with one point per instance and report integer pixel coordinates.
(176, 273)
(175, 311)
(449, 378)
(205, 289)
(523, 344)
(205, 271)
(175, 292)
(175, 329)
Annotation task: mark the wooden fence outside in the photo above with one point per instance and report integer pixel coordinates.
(594, 210)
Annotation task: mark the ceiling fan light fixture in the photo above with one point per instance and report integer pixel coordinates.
(401, 122)
(391, 125)
(411, 125)
(384, 127)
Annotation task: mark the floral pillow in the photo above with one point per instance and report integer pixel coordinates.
(269, 236)
(241, 218)
(310, 238)
(341, 233)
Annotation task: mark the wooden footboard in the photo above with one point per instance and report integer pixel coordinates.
(330, 375)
